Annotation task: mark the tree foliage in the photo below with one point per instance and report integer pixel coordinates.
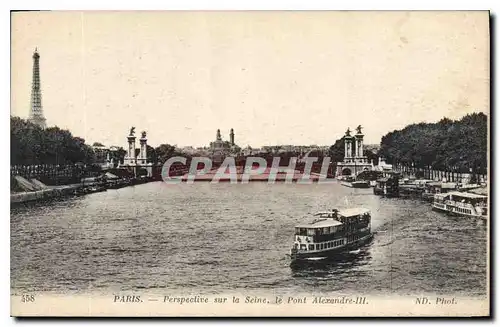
(446, 145)
(372, 157)
(336, 151)
(30, 144)
(165, 151)
(118, 156)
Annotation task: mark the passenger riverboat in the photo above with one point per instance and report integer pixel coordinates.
(462, 204)
(331, 233)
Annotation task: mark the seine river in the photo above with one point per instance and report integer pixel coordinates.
(216, 238)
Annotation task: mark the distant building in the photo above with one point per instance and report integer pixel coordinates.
(220, 149)
(249, 151)
(300, 150)
(105, 156)
(100, 153)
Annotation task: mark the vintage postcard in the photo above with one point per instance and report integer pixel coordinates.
(281, 163)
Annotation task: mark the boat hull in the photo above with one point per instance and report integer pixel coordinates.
(361, 185)
(356, 184)
(387, 194)
(302, 257)
(454, 213)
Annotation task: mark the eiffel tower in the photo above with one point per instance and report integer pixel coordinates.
(36, 112)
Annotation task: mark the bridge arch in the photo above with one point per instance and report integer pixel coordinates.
(346, 172)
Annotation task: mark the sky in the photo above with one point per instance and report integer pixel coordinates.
(275, 77)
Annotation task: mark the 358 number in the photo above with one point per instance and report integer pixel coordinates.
(27, 298)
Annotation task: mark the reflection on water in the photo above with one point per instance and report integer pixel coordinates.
(214, 238)
(330, 267)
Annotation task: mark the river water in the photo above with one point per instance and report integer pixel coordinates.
(214, 238)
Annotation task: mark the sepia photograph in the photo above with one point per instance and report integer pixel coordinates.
(250, 163)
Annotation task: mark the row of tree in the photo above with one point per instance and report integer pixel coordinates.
(448, 145)
(32, 145)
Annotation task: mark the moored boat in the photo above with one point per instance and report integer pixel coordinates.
(387, 186)
(462, 204)
(96, 188)
(433, 188)
(361, 184)
(410, 190)
(351, 182)
(331, 233)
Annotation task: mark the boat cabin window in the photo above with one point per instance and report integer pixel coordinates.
(303, 247)
(301, 231)
(317, 246)
(310, 232)
(350, 220)
(365, 218)
(324, 231)
(311, 247)
(466, 200)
